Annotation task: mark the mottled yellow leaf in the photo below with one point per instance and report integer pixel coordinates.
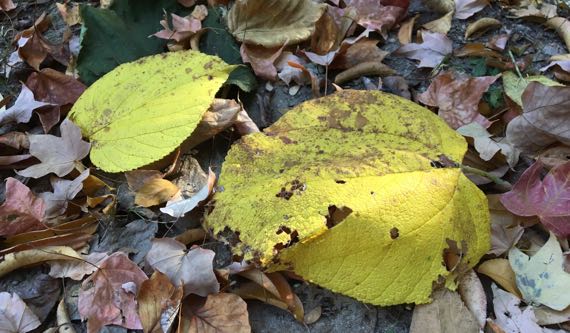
(514, 86)
(141, 111)
(356, 192)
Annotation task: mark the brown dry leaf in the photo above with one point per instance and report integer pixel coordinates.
(377, 15)
(501, 272)
(108, 296)
(21, 111)
(431, 52)
(481, 26)
(15, 316)
(16, 140)
(326, 35)
(544, 120)
(63, 191)
(21, 211)
(7, 5)
(76, 269)
(252, 290)
(498, 42)
(547, 316)
(473, 295)
(158, 302)
(293, 302)
(555, 156)
(562, 27)
(364, 68)
(13, 261)
(467, 8)
(262, 59)
(281, 23)
(33, 48)
(446, 313)
(478, 50)
(363, 50)
(55, 87)
(441, 25)
(457, 96)
(57, 154)
(155, 192)
(182, 28)
(506, 229)
(191, 269)
(70, 15)
(221, 313)
(406, 30)
(440, 6)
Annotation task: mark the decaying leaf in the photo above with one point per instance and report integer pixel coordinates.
(21, 111)
(501, 272)
(562, 26)
(510, 316)
(191, 269)
(488, 147)
(159, 302)
(273, 23)
(549, 198)
(15, 316)
(541, 278)
(544, 120)
(77, 269)
(140, 111)
(316, 218)
(515, 86)
(431, 52)
(221, 313)
(506, 229)
(446, 313)
(262, 59)
(107, 296)
(457, 97)
(467, 8)
(406, 30)
(21, 211)
(57, 154)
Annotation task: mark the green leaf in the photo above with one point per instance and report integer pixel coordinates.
(141, 111)
(346, 191)
(120, 34)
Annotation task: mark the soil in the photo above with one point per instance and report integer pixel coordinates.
(130, 233)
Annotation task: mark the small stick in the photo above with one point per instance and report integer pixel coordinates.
(502, 183)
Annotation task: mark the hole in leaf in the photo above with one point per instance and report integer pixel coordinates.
(337, 215)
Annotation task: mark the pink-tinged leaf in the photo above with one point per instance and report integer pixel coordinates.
(182, 28)
(466, 8)
(104, 298)
(431, 52)
(378, 15)
(262, 59)
(192, 269)
(63, 191)
(57, 154)
(457, 96)
(21, 111)
(549, 198)
(22, 211)
(15, 316)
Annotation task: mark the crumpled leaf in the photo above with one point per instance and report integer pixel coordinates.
(431, 52)
(541, 278)
(273, 23)
(221, 313)
(133, 118)
(57, 154)
(515, 86)
(182, 28)
(179, 206)
(544, 120)
(15, 316)
(467, 8)
(353, 195)
(158, 303)
(21, 111)
(506, 229)
(21, 211)
(481, 26)
(106, 298)
(488, 147)
(377, 15)
(510, 316)
(549, 198)
(191, 269)
(77, 269)
(63, 191)
(262, 59)
(457, 97)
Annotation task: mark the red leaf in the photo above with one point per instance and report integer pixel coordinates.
(549, 198)
(22, 211)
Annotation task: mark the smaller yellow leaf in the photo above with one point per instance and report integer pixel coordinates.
(501, 272)
(25, 258)
(155, 192)
(514, 86)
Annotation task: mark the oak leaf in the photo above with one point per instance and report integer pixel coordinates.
(22, 211)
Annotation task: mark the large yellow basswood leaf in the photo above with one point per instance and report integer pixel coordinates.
(141, 111)
(378, 166)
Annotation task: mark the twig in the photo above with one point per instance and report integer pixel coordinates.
(502, 183)
(515, 64)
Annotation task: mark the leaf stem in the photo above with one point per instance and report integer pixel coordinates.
(502, 183)
(515, 64)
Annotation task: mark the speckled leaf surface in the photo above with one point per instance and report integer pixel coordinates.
(355, 192)
(141, 111)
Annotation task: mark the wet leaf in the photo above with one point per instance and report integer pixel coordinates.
(457, 96)
(21, 111)
(21, 211)
(549, 198)
(191, 269)
(158, 303)
(57, 154)
(106, 297)
(221, 313)
(133, 118)
(316, 219)
(510, 316)
(254, 21)
(431, 52)
(15, 316)
(541, 278)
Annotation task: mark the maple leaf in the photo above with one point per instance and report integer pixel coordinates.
(457, 96)
(510, 316)
(431, 52)
(107, 298)
(549, 198)
(57, 154)
(223, 313)
(182, 28)
(466, 8)
(192, 269)
(22, 210)
(21, 111)
(15, 316)
(488, 147)
(63, 191)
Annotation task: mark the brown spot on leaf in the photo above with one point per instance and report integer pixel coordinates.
(208, 65)
(360, 121)
(394, 233)
(188, 70)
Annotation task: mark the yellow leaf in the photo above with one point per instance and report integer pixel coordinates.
(356, 192)
(141, 111)
(501, 272)
(514, 86)
(154, 192)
